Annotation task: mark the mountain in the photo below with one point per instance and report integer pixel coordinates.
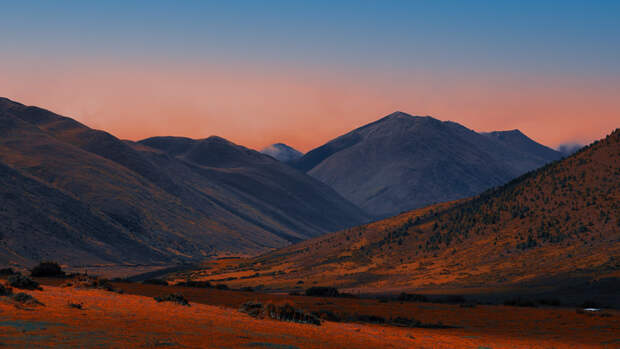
(89, 197)
(551, 226)
(282, 152)
(402, 162)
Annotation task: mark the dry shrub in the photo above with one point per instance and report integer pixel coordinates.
(25, 299)
(7, 271)
(5, 290)
(47, 269)
(90, 282)
(281, 312)
(23, 282)
(174, 298)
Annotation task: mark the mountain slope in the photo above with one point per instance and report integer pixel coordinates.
(402, 162)
(297, 204)
(168, 206)
(559, 222)
(282, 152)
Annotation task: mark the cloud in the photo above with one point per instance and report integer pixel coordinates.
(569, 148)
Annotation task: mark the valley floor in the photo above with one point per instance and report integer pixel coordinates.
(135, 319)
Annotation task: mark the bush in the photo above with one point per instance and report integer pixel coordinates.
(319, 291)
(5, 291)
(158, 282)
(85, 281)
(192, 283)
(25, 298)
(23, 282)
(7, 271)
(75, 305)
(327, 315)
(247, 289)
(221, 287)
(285, 312)
(47, 269)
(254, 309)
(174, 298)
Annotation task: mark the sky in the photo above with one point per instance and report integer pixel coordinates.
(305, 72)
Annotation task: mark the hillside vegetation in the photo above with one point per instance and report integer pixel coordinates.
(559, 222)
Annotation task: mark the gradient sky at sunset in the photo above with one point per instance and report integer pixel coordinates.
(259, 72)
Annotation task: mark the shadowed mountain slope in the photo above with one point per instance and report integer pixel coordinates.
(170, 209)
(403, 162)
(560, 222)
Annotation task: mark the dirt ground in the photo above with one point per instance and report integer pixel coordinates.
(135, 319)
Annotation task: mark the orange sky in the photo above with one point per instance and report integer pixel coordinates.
(256, 106)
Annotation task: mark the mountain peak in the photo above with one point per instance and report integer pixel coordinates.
(282, 152)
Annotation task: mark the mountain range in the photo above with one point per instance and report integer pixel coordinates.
(402, 162)
(82, 196)
(559, 224)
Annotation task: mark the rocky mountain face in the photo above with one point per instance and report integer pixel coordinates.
(402, 162)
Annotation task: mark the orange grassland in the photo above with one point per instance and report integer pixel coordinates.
(135, 319)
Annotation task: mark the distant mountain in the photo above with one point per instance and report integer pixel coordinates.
(78, 195)
(559, 224)
(282, 152)
(569, 148)
(401, 162)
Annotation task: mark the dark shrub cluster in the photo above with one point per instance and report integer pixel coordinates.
(322, 291)
(85, 281)
(75, 305)
(376, 319)
(284, 312)
(5, 291)
(23, 282)
(25, 298)
(158, 282)
(327, 315)
(7, 271)
(196, 284)
(174, 298)
(47, 269)
(254, 309)
(287, 312)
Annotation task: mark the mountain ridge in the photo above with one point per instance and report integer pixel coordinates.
(401, 162)
(558, 224)
(177, 210)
